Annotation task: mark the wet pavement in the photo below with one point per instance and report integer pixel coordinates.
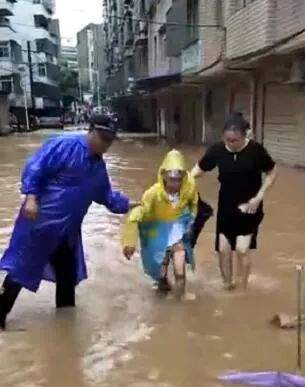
(122, 333)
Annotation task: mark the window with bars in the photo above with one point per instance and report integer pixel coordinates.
(155, 52)
(42, 70)
(4, 50)
(6, 84)
(192, 8)
(162, 43)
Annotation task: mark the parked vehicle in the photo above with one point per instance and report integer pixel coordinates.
(50, 122)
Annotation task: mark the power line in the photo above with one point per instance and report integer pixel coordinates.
(167, 23)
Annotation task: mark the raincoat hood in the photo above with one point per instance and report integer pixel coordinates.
(174, 160)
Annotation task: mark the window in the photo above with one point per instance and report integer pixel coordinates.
(41, 22)
(4, 49)
(50, 58)
(155, 51)
(162, 42)
(192, 18)
(6, 84)
(42, 70)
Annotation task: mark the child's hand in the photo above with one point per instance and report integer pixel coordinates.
(128, 252)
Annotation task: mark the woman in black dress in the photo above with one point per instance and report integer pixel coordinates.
(241, 163)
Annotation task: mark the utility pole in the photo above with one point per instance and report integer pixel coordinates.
(80, 86)
(26, 108)
(22, 70)
(98, 89)
(31, 74)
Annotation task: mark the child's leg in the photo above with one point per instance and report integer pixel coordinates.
(163, 280)
(179, 258)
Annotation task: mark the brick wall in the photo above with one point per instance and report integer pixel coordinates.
(251, 28)
(261, 24)
(211, 12)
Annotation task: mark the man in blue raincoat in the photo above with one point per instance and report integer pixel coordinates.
(59, 182)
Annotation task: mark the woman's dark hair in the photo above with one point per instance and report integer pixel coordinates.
(237, 123)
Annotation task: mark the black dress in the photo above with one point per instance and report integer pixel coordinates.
(240, 177)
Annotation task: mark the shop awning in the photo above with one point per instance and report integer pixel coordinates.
(158, 82)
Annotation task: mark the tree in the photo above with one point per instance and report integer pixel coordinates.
(68, 84)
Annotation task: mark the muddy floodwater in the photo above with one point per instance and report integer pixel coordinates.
(122, 333)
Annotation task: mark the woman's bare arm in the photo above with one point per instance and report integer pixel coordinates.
(197, 172)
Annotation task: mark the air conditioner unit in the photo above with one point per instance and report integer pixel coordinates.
(297, 71)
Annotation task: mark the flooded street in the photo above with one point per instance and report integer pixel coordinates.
(122, 334)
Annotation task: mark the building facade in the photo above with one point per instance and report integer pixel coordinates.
(272, 57)
(10, 57)
(29, 49)
(202, 59)
(68, 55)
(126, 50)
(90, 51)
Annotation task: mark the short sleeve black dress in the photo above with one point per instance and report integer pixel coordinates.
(240, 177)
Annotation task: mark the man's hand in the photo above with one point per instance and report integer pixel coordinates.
(128, 252)
(31, 207)
(133, 204)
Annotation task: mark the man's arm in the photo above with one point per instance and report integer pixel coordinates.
(115, 201)
(44, 162)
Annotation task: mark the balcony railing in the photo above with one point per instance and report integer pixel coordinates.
(45, 90)
(47, 46)
(5, 23)
(6, 8)
(250, 29)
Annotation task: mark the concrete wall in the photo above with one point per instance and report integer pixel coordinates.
(157, 65)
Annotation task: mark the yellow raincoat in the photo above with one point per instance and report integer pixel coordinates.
(156, 211)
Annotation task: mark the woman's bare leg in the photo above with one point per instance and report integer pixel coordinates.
(225, 262)
(243, 259)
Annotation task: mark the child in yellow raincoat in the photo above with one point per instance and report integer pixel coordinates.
(163, 221)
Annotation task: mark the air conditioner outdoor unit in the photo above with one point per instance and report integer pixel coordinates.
(297, 71)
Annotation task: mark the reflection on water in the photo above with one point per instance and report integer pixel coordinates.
(122, 334)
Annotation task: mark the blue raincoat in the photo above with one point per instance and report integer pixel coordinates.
(66, 178)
